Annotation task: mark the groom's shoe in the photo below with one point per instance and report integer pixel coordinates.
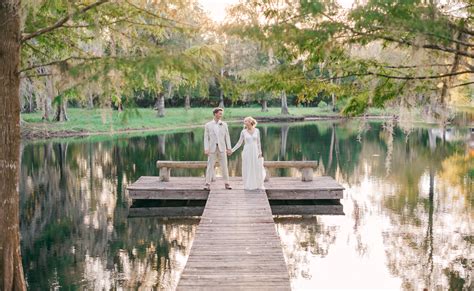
(207, 187)
(228, 187)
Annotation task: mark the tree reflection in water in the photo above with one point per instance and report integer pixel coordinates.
(302, 238)
(408, 204)
(408, 215)
(74, 226)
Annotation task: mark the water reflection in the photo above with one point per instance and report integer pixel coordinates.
(74, 226)
(408, 204)
(408, 221)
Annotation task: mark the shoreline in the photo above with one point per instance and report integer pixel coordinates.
(40, 131)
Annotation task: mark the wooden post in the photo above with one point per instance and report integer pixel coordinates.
(165, 174)
(307, 174)
(267, 175)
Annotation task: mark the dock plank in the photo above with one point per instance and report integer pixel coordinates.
(236, 245)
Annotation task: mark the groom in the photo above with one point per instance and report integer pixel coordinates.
(216, 145)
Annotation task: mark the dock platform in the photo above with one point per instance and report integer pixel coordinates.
(191, 188)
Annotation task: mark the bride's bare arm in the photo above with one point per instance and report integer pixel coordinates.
(239, 143)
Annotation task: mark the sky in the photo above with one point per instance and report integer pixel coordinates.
(216, 8)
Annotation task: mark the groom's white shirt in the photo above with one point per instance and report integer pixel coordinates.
(216, 136)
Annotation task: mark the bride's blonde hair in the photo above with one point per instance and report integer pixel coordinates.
(252, 120)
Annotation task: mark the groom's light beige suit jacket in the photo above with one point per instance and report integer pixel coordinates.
(216, 137)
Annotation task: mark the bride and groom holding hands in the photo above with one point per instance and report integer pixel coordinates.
(217, 147)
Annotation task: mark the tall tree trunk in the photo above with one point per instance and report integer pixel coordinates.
(264, 106)
(48, 97)
(120, 106)
(160, 105)
(284, 104)
(11, 268)
(187, 102)
(46, 107)
(91, 101)
(333, 97)
(61, 114)
(221, 94)
(30, 105)
(221, 99)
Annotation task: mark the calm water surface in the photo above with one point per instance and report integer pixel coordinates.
(408, 203)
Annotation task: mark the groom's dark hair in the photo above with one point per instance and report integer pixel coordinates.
(217, 109)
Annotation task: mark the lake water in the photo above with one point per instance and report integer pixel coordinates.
(408, 204)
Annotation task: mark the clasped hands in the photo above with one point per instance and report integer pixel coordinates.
(229, 152)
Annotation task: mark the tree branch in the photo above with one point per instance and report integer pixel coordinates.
(427, 46)
(417, 66)
(421, 77)
(409, 43)
(57, 62)
(160, 17)
(461, 29)
(404, 29)
(400, 77)
(23, 76)
(460, 8)
(448, 39)
(61, 21)
(123, 20)
(37, 50)
(462, 84)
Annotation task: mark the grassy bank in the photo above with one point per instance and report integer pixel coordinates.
(96, 121)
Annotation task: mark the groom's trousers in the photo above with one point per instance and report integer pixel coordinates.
(211, 164)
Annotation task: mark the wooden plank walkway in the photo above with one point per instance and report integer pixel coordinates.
(278, 188)
(236, 245)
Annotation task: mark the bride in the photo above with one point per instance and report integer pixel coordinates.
(253, 172)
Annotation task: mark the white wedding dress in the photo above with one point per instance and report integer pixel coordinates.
(253, 172)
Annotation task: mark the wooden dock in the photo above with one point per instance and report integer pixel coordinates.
(236, 245)
(191, 188)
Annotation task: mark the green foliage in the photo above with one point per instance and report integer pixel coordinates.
(322, 105)
(356, 105)
(377, 52)
(64, 96)
(386, 90)
(322, 50)
(115, 49)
